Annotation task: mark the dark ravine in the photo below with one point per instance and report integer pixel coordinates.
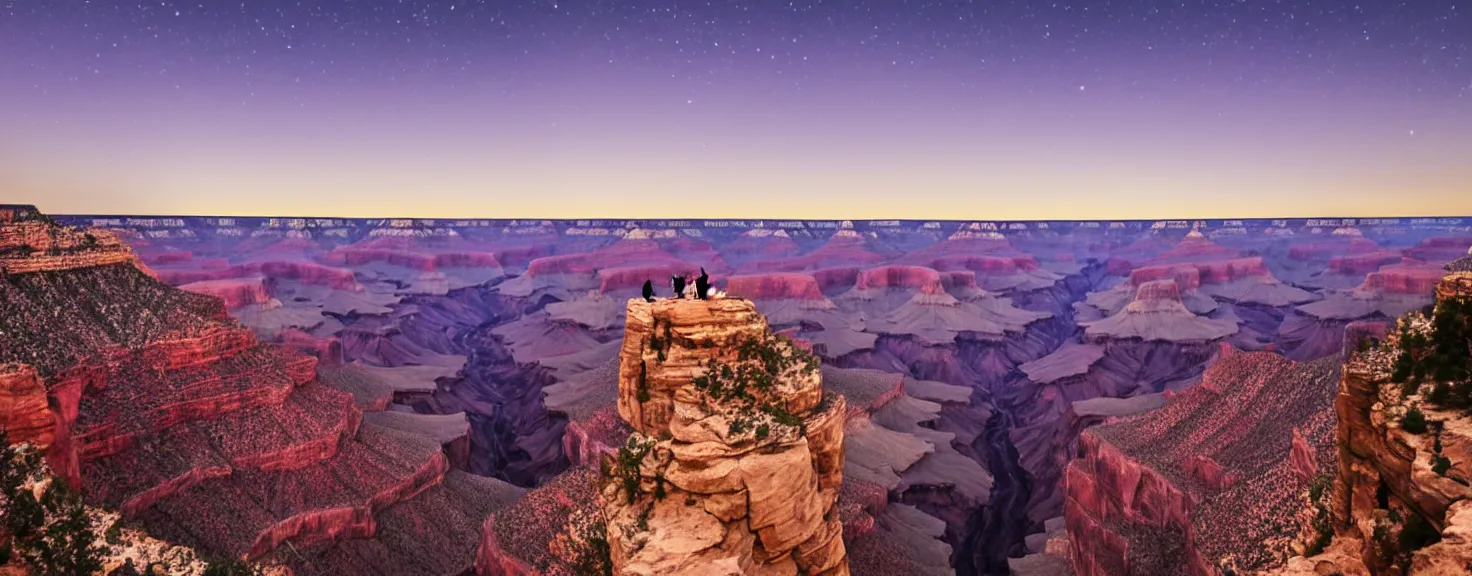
(996, 531)
(513, 437)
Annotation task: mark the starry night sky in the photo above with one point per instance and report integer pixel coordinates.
(857, 109)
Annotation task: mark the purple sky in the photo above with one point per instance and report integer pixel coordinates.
(740, 109)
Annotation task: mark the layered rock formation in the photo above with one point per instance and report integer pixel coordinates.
(31, 242)
(158, 405)
(1209, 479)
(1157, 313)
(1314, 329)
(737, 456)
(1400, 497)
(527, 358)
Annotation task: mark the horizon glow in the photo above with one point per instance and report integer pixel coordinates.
(813, 110)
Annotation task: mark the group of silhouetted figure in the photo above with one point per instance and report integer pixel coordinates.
(678, 282)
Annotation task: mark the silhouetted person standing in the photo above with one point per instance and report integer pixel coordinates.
(702, 285)
(678, 283)
(648, 291)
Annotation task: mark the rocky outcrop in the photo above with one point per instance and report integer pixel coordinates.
(1384, 469)
(30, 242)
(1454, 285)
(737, 456)
(24, 414)
(236, 292)
(1205, 480)
(1399, 501)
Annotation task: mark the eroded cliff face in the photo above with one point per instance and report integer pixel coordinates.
(1206, 481)
(1399, 503)
(736, 459)
(30, 242)
(156, 404)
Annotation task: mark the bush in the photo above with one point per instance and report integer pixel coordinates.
(626, 466)
(585, 543)
(228, 567)
(1440, 464)
(1414, 421)
(114, 533)
(52, 534)
(1323, 529)
(1440, 355)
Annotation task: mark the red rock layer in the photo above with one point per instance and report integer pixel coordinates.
(235, 292)
(1106, 488)
(162, 407)
(775, 286)
(1194, 248)
(37, 246)
(24, 414)
(394, 253)
(305, 272)
(1184, 276)
(1328, 248)
(1192, 276)
(1158, 291)
(327, 351)
(1440, 249)
(905, 277)
(621, 254)
(585, 442)
(830, 279)
(1362, 263)
(959, 279)
(1404, 279)
(633, 277)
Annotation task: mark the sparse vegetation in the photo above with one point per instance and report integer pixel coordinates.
(52, 533)
(114, 533)
(1439, 354)
(626, 466)
(227, 567)
(1323, 530)
(584, 543)
(1440, 464)
(760, 364)
(1414, 421)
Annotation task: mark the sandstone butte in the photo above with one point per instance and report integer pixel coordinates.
(691, 493)
(1386, 481)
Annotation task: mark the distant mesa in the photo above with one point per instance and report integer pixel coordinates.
(1391, 292)
(775, 286)
(1157, 313)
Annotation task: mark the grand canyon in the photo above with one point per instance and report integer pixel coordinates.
(452, 397)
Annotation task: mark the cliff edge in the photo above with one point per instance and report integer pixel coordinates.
(736, 459)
